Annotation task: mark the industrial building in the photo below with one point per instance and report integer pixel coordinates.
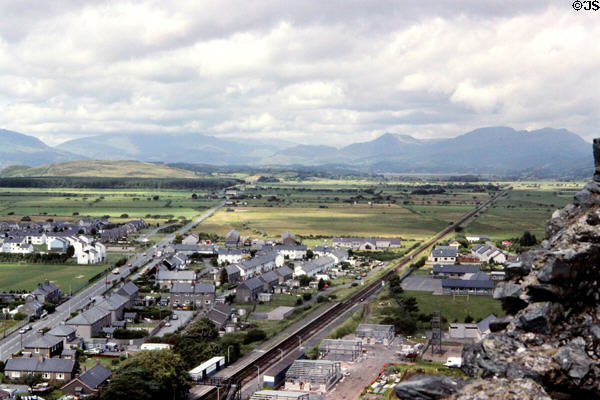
(312, 375)
(279, 395)
(340, 350)
(373, 333)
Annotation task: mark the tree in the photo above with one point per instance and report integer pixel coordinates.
(321, 284)
(26, 219)
(124, 215)
(70, 251)
(304, 280)
(255, 335)
(410, 305)
(224, 276)
(194, 196)
(310, 254)
(158, 374)
(527, 240)
(468, 319)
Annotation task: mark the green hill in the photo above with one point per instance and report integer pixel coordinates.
(107, 169)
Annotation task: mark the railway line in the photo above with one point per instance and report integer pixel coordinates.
(249, 370)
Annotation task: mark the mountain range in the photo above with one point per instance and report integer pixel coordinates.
(493, 150)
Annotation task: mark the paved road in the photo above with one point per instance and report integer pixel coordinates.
(12, 343)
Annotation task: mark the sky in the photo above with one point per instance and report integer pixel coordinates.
(309, 72)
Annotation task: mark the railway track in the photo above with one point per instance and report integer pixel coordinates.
(250, 371)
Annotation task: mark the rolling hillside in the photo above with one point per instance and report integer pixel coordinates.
(108, 169)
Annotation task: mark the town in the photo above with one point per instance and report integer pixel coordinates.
(286, 319)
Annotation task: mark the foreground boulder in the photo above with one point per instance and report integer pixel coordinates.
(428, 387)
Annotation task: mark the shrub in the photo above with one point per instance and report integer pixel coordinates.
(19, 316)
(254, 335)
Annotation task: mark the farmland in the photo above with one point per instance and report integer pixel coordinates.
(119, 205)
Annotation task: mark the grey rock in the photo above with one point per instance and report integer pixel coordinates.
(582, 197)
(507, 289)
(593, 219)
(596, 147)
(538, 317)
(595, 330)
(502, 389)
(428, 387)
(544, 292)
(555, 269)
(573, 361)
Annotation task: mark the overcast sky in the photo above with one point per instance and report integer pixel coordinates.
(328, 72)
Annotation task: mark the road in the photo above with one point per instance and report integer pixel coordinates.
(12, 343)
(183, 317)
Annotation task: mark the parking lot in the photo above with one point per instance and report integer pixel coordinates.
(422, 283)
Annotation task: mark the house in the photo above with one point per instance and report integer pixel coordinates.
(233, 273)
(313, 267)
(285, 274)
(339, 255)
(50, 369)
(453, 270)
(167, 278)
(288, 239)
(32, 308)
(191, 239)
(178, 261)
(487, 254)
(64, 332)
(232, 239)
(47, 292)
(57, 244)
(17, 246)
(200, 295)
(484, 325)
(89, 383)
(477, 238)
(444, 254)
(230, 256)
(219, 314)
(88, 323)
(116, 304)
(366, 243)
(291, 252)
(279, 395)
(259, 264)
(189, 249)
(270, 279)
(129, 290)
(248, 290)
(43, 345)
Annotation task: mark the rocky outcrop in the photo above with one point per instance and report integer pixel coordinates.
(428, 387)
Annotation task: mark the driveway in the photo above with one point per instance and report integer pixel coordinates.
(183, 317)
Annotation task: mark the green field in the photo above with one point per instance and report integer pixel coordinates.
(15, 276)
(527, 207)
(73, 204)
(456, 309)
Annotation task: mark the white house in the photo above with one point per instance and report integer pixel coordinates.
(313, 267)
(292, 252)
(16, 246)
(57, 244)
(488, 254)
(259, 264)
(231, 256)
(444, 254)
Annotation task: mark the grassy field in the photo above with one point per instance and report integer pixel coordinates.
(527, 207)
(15, 276)
(456, 309)
(73, 204)
(351, 220)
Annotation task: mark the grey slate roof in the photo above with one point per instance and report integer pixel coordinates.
(233, 236)
(45, 289)
(42, 341)
(444, 251)
(467, 284)
(89, 317)
(95, 376)
(269, 277)
(35, 365)
(455, 269)
(176, 275)
(204, 288)
(129, 289)
(284, 271)
(179, 287)
(232, 269)
(114, 302)
(251, 284)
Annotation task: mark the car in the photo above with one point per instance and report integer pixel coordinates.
(168, 324)
(116, 271)
(22, 331)
(174, 316)
(29, 327)
(129, 265)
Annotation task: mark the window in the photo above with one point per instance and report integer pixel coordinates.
(60, 376)
(46, 375)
